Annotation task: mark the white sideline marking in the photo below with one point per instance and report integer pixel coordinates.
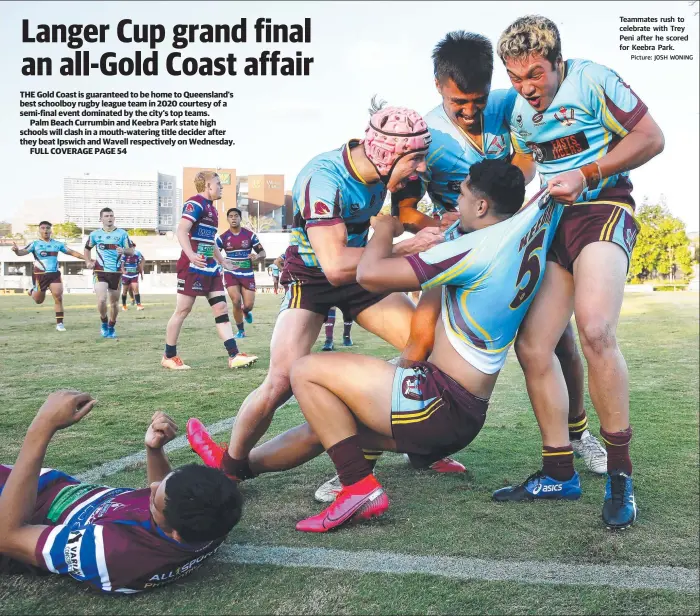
(676, 579)
(115, 466)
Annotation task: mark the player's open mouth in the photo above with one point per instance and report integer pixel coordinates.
(535, 101)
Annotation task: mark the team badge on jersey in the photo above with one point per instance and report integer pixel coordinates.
(321, 210)
(567, 116)
(497, 145)
(412, 386)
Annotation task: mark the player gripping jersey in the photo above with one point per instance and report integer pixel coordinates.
(586, 129)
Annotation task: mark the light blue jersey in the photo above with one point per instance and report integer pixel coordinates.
(330, 191)
(106, 243)
(46, 253)
(591, 112)
(489, 278)
(452, 151)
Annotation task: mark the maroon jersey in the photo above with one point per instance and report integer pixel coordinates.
(238, 248)
(107, 538)
(205, 220)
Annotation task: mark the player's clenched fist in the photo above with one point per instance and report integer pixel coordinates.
(161, 431)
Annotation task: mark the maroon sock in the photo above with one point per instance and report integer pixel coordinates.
(237, 468)
(558, 462)
(59, 317)
(349, 460)
(111, 323)
(577, 426)
(618, 447)
(104, 320)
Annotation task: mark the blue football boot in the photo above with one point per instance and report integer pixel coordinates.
(249, 317)
(328, 346)
(540, 486)
(239, 334)
(619, 507)
(104, 330)
(111, 333)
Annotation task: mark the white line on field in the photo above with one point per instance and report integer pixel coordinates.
(115, 466)
(676, 579)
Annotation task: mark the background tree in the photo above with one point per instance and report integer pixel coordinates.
(264, 223)
(5, 229)
(138, 232)
(663, 247)
(67, 231)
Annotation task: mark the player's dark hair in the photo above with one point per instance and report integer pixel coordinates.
(500, 182)
(466, 58)
(234, 209)
(45, 222)
(201, 503)
(106, 209)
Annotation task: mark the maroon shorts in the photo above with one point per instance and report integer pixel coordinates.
(127, 280)
(196, 285)
(432, 414)
(113, 279)
(584, 224)
(233, 280)
(44, 280)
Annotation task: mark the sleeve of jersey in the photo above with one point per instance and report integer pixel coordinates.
(321, 203)
(254, 241)
(79, 553)
(612, 101)
(219, 243)
(29, 247)
(443, 264)
(192, 211)
(126, 241)
(90, 242)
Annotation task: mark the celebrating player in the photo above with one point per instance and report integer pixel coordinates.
(109, 243)
(199, 273)
(238, 245)
(131, 264)
(586, 129)
(117, 540)
(335, 195)
(45, 274)
(471, 124)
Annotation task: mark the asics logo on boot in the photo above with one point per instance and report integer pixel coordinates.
(555, 488)
(537, 488)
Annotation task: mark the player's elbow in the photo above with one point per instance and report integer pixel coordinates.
(658, 142)
(335, 276)
(369, 279)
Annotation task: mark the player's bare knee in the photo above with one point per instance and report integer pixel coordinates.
(40, 299)
(597, 338)
(276, 388)
(566, 347)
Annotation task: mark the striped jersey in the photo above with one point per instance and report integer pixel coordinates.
(489, 278)
(202, 213)
(131, 264)
(46, 253)
(330, 191)
(591, 112)
(106, 244)
(238, 248)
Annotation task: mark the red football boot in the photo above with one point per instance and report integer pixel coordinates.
(361, 501)
(448, 465)
(204, 446)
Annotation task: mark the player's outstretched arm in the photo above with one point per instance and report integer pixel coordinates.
(18, 538)
(20, 252)
(339, 262)
(379, 271)
(161, 431)
(75, 254)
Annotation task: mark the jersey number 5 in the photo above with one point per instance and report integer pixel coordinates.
(530, 264)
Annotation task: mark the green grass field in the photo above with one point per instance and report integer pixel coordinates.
(430, 515)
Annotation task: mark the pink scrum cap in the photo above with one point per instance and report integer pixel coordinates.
(392, 133)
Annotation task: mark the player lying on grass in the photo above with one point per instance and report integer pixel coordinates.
(489, 271)
(46, 274)
(115, 539)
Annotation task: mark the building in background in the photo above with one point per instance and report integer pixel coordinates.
(145, 202)
(263, 196)
(228, 192)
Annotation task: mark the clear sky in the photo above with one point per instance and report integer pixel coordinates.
(359, 49)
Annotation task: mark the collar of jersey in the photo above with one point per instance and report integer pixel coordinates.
(349, 164)
(465, 134)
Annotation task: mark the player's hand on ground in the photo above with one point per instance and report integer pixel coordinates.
(426, 238)
(161, 431)
(64, 408)
(447, 219)
(385, 219)
(567, 187)
(198, 260)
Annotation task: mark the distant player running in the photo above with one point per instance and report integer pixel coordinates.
(46, 275)
(242, 247)
(274, 271)
(109, 243)
(131, 263)
(586, 129)
(199, 273)
(335, 195)
(116, 540)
